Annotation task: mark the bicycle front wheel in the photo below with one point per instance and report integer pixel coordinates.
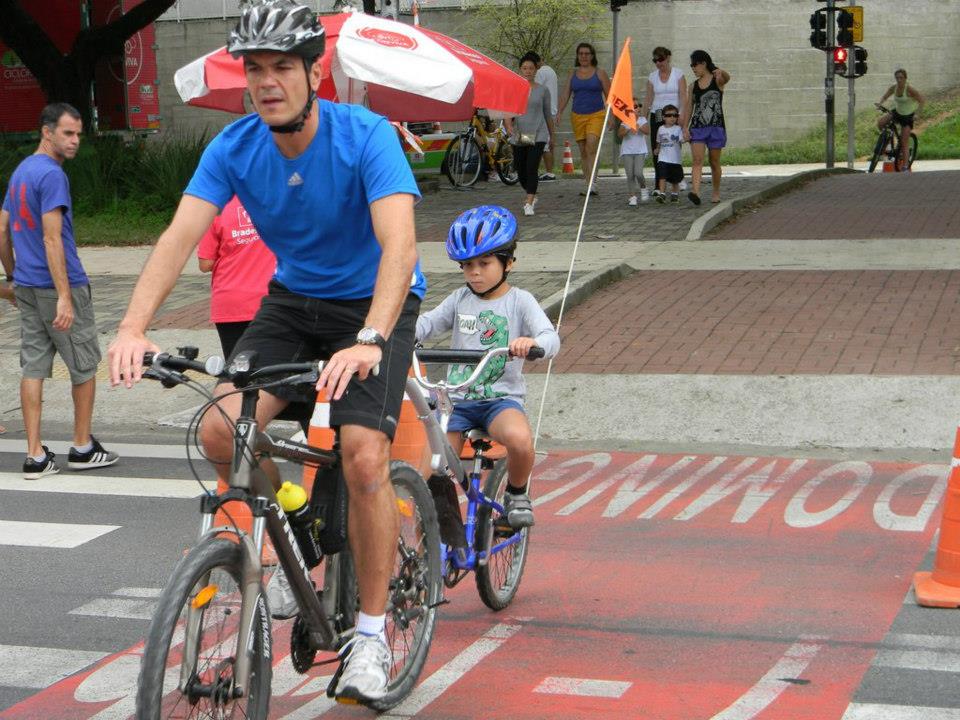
(878, 150)
(415, 585)
(204, 591)
(911, 153)
(462, 161)
(499, 580)
(503, 159)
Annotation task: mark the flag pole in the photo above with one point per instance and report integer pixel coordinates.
(576, 244)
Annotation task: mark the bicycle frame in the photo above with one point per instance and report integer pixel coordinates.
(249, 484)
(445, 461)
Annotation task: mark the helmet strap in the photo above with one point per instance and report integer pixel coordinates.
(298, 124)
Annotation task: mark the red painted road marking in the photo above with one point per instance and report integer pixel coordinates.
(689, 580)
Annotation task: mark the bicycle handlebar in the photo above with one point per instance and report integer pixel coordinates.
(166, 365)
(481, 357)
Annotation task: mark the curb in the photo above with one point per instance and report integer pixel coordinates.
(725, 210)
(584, 287)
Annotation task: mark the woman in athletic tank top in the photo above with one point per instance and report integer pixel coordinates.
(706, 129)
(589, 86)
(907, 103)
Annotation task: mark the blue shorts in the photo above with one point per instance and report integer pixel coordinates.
(470, 414)
(713, 136)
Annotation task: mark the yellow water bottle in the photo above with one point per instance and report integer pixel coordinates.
(293, 500)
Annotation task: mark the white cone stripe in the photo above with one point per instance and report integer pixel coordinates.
(38, 667)
(53, 535)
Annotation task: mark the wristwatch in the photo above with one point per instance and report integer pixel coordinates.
(370, 336)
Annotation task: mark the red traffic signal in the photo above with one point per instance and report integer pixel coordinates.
(840, 56)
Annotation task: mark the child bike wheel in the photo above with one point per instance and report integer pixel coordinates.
(415, 585)
(498, 580)
(212, 569)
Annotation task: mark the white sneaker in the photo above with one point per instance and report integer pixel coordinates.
(644, 195)
(366, 669)
(632, 201)
(528, 209)
(280, 597)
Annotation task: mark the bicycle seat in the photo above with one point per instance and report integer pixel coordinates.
(495, 452)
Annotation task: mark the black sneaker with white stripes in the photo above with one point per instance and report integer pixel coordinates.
(95, 457)
(33, 470)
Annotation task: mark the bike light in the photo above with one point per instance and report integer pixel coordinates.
(203, 598)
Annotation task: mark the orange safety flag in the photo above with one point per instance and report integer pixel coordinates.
(620, 98)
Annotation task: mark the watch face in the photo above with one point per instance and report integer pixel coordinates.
(369, 336)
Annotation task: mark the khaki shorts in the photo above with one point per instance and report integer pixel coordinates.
(39, 341)
(584, 125)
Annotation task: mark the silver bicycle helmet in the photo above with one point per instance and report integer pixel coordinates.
(283, 26)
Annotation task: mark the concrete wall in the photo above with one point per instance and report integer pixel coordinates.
(776, 90)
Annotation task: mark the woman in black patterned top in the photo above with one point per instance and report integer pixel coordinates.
(706, 129)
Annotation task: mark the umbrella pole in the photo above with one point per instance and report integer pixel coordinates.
(566, 285)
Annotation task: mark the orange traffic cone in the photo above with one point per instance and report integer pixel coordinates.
(941, 588)
(567, 158)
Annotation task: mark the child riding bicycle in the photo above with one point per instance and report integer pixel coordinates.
(488, 313)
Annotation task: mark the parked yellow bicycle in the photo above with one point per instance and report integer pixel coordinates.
(475, 150)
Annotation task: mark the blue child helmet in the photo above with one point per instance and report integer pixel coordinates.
(482, 230)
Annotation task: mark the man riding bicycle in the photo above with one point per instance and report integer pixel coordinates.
(332, 195)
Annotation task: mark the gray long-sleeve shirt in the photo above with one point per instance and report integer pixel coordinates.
(480, 324)
(534, 120)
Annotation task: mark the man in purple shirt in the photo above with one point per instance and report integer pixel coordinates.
(52, 291)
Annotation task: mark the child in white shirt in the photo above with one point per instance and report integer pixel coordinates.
(669, 164)
(633, 155)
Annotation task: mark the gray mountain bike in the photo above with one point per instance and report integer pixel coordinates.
(208, 653)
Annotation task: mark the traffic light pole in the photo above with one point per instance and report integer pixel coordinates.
(828, 83)
(851, 105)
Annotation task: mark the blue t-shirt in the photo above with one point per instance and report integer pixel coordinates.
(37, 186)
(313, 210)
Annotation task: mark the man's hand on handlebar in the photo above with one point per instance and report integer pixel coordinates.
(125, 357)
(336, 375)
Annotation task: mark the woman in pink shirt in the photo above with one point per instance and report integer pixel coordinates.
(241, 265)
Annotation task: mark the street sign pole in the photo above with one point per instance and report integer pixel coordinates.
(828, 84)
(851, 106)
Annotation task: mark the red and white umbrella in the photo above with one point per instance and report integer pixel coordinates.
(401, 71)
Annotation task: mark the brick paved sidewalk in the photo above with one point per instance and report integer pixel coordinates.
(857, 206)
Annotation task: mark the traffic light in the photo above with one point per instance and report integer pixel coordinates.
(859, 61)
(615, 5)
(818, 23)
(844, 28)
(840, 55)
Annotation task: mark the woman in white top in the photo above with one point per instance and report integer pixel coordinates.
(665, 86)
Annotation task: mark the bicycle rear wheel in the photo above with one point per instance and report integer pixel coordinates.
(499, 580)
(462, 161)
(415, 587)
(503, 159)
(212, 569)
(911, 153)
(878, 150)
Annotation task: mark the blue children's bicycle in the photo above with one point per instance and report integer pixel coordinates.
(485, 543)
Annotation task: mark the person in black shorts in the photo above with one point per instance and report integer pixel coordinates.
(667, 150)
(348, 286)
(907, 102)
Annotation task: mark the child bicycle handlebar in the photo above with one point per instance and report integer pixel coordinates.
(481, 357)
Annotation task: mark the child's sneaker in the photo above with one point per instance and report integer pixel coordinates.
(33, 470)
(95, 457)
(632, 201)
(644, 195)
(675, 198)
(659, 197)
(528, 209)
(683, 184)
(519, 510)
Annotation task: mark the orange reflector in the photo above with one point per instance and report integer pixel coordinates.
(347, 701)
(405, 507)
(202, 598)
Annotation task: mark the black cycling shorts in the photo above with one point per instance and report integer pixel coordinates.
(295, 328)
(904, 120)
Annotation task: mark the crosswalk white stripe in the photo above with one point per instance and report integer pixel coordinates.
(101, 485)
(930, 660)
(39, 667)
(585, 687)
(139, 450)
(53, 535)
(876, 711)
(126, 608)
